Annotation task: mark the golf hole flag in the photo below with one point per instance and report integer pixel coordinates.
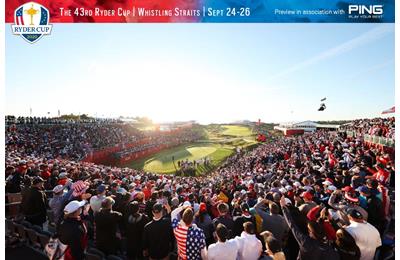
(31, 22)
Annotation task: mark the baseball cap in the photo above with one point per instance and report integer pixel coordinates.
(331, 188)
(73, 206)
(203, 207)
(354, 213)
(37, 180)
(307, 195)
(101, 188)
(365, 189)
(187, 204)
(58, 188)
(62, 175)
(351, 199)
(326, 182)
(157, 208)
(347, 189)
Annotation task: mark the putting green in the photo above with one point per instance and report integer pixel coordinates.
(162, 162)
(221, 143)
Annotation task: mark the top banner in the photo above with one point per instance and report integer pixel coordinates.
(204, 11)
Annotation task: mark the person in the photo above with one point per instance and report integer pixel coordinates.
(223, 248)
(203, 221)
(95, 201)
(273, 247)
(34, 203)
(72, 231)
(312, 245)
(272, 222)
(158, 236)
(346, 245)
(58, 201)
(106, 223)
(240, 220)
(134, 223)
(365, 235)
(224, 218)
(373, 206)
(249, 246)
(308, 203)
(190, 239)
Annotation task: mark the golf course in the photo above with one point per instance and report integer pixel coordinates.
(219, 143)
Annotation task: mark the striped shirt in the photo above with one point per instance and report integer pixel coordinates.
(190, 240)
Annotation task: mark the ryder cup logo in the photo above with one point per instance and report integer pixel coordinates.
(31, 22)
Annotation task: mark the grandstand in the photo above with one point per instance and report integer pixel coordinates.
(330, 181)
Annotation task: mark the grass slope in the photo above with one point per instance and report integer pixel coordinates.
(162, 162)
(220, 143)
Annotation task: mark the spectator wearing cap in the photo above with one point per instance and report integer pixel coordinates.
(158, 237)
(204, 222)
(107, 222)
(224, 218)
(373, 206)
(308, 203)
(249, 246)
(190, 239)
(272, 221)
(150, 203)
(34, 203)
(134, 225)
(14, 181)
(73, 232)
(365, 235)
(95, 201)
(340, 205)
(223, 248)
(240, 220)
(312, 244)
(58, 201)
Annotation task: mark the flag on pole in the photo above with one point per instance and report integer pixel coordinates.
(388, 111)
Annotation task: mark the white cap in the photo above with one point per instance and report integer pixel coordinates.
(58, 188)
(288, 187)
(297, 184)
(288, 201)
(187, 204)
(74, 206)
(331, 187)
(327, 183)
(282, 190)
(196, 207)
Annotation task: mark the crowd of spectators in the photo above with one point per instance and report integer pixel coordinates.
(383, 127)
(314, 196)
(69, 140)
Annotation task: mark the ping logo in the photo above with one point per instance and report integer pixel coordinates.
(31, 22)
(366, 9)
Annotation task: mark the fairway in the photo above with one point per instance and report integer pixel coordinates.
(162, 162)
(236, 130)
(220, 143)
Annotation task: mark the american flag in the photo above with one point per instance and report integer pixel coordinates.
(190, 240)
(19, 16)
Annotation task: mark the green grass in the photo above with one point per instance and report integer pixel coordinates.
(162, 162)
(236, 130)
(220, 142)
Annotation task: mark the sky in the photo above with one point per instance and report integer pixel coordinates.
(211, 73)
